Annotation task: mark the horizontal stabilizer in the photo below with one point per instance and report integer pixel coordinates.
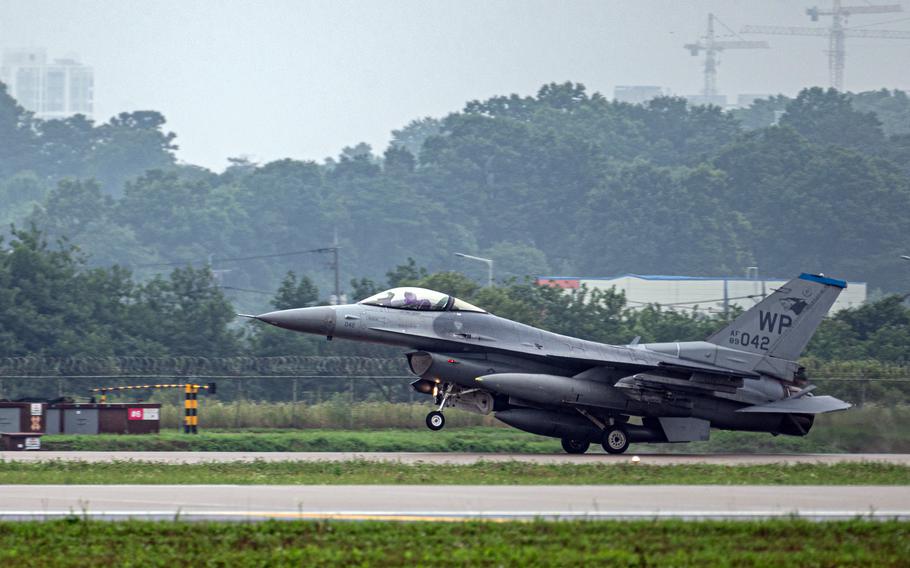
(800, 405)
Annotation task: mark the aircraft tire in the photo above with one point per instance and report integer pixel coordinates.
(436, 420)
(616, 440)
(575, 446)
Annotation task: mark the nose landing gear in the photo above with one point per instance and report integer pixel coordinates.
(436, 420)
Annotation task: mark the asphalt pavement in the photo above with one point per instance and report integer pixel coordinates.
(451, 503)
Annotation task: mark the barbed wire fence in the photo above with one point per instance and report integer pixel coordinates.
(293, 378)
(314, 379)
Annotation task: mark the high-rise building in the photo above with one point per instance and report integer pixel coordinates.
(56, 89)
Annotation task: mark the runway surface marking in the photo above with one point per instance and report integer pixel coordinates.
(452, 458)
(441, 502)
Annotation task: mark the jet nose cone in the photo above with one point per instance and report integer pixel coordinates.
(319, 320)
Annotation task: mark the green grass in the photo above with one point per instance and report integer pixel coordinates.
(418, 439)
(784, 542)
(359, 472)
(338, 414)
(869, 430)
(379, 426)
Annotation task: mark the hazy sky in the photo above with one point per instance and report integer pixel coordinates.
(301, 79)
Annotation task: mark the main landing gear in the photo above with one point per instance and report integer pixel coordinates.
(615, 440)
(435, 419)
(575, 446)
(614, 436)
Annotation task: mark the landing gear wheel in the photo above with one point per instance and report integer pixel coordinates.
(616, 440)
(435, 420)
(574, 446)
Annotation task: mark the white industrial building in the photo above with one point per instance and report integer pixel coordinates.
(703, 294)
(50, 89)
(637, 94)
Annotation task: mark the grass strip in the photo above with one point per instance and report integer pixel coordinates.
(264, 440)
(783, 542)
(359, 472)
(419, 439)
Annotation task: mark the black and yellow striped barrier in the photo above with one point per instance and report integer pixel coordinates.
(190, 400)
(190, 409)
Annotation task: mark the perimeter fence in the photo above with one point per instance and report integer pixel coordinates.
(313, 380)
(291, 378)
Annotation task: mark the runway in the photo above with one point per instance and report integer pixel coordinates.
(452, 458)
(450, 503)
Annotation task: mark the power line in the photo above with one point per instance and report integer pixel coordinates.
(239, 258)
(249, 290)
(683, 304)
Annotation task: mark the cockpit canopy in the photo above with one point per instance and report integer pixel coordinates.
(408, 298)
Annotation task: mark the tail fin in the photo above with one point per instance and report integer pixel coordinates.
(783, 323)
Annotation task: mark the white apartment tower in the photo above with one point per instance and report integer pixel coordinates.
(56, 89)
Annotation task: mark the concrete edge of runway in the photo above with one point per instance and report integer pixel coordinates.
(454, 516)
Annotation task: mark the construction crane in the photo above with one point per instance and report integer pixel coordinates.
(712, 47)
(837, 33)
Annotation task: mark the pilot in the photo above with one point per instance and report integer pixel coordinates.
(412, 302)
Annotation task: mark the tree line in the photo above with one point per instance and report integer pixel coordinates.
(53, 304)
(562, 182)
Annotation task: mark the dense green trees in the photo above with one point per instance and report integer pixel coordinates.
(134, 254)
(561, 182)
(52, 304)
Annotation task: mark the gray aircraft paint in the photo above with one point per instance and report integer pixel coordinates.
(744, 377)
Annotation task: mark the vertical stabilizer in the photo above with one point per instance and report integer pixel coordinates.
(782, 324)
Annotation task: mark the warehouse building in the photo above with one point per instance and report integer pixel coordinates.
(702, 294)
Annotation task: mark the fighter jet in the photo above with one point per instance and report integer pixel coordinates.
(744, 377)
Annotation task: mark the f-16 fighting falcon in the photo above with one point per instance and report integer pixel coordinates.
(744, 377)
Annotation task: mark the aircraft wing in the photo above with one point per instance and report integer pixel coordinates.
(800, 405)
(655, 363)
(634, 361)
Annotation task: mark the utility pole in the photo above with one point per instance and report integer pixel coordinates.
(337, 266)
(837, 33)
(712, 46)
